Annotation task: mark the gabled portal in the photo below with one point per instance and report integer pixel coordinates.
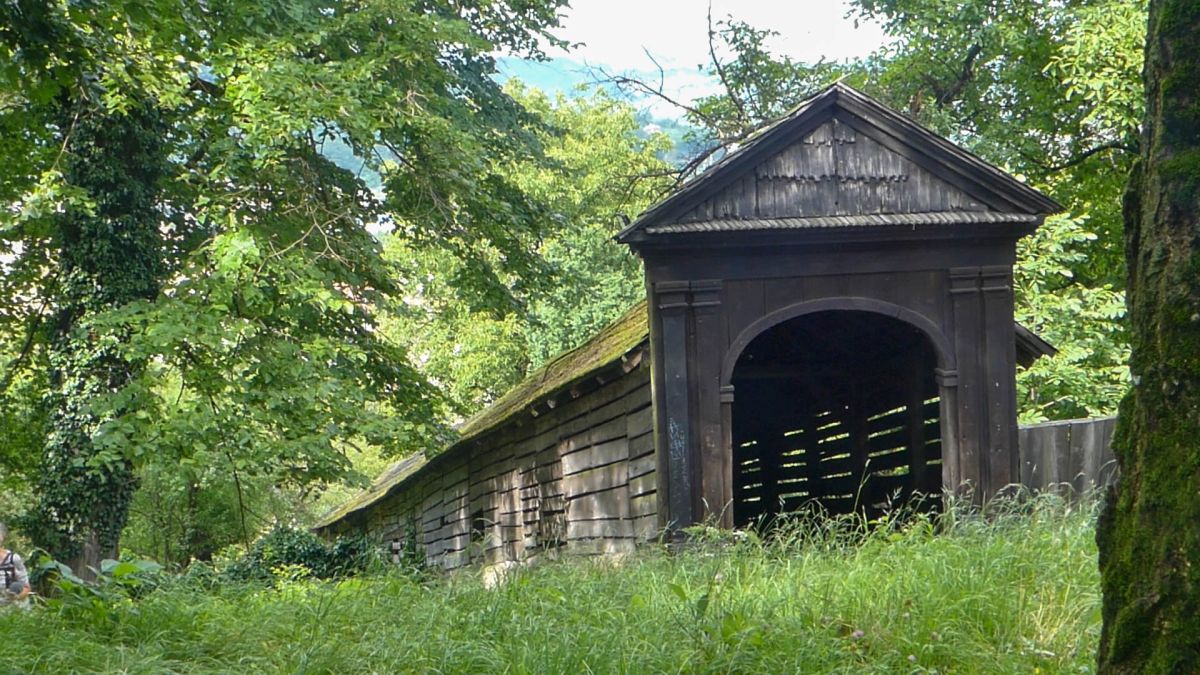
(831, 318)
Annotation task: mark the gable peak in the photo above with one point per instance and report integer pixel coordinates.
(841, 153)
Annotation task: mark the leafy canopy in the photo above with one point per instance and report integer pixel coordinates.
(602, 165)
(260, 346)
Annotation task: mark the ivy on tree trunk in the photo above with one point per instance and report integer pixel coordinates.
(110, 255)
(1149, 534)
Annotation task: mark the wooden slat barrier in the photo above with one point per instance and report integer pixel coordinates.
(1071, 455)
(843, 458)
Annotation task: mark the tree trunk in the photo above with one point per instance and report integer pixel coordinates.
(108, 256)
(87, 562)
(1149, 534)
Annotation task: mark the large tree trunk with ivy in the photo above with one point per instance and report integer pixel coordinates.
(110, 254)
(1149, 535)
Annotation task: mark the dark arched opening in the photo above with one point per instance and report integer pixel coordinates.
(835, 407)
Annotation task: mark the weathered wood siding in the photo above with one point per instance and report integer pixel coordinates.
(579, 478)
(1074, 454)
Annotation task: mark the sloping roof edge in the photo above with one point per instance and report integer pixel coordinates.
(609, 346)
(970, 167)
(379, 489)
(1031, 346)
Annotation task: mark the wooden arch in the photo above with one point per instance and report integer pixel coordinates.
(944, 375)
(941, 345)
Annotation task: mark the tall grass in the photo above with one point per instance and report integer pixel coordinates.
(1014, 593)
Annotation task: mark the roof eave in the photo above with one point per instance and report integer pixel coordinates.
(1031, 346)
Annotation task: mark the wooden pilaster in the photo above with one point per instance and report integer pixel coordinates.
(1003, 460)
(716, 464)
(967, 307)
(671, 301)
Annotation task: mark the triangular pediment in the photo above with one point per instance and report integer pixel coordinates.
(835, 170)
(843, 159)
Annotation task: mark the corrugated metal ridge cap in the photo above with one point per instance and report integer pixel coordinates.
(865, 220)
(610, 345)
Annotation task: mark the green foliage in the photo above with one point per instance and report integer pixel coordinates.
(600, 166)
(1088, 375)
(1101, 47)
(608, 170)
(96, 604)
(23, 428)
(1013, 593)
(198, 508)
(199, 280)
(192, 511)
(293, 553)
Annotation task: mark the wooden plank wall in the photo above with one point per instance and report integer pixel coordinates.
(1073, 455)
(579, 478)
(815, 458)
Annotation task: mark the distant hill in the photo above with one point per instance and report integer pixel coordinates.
(342, 155)
(565, 76)
(684, 146)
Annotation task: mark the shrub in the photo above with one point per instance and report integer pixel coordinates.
(98, 603)
(293, 549)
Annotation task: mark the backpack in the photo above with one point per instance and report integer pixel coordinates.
(9, 569)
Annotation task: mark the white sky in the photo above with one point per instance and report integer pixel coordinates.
(616, 34)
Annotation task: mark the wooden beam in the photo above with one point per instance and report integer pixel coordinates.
(921, 369)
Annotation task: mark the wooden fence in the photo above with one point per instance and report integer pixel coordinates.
(1071, 453)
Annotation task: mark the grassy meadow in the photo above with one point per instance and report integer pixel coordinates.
(1014, 593)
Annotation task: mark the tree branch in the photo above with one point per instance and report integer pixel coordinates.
(626, 81)
(946, 94)
(1083, 156)
(712, 54)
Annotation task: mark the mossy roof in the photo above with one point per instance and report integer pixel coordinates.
(608, 346)
(393, 476)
